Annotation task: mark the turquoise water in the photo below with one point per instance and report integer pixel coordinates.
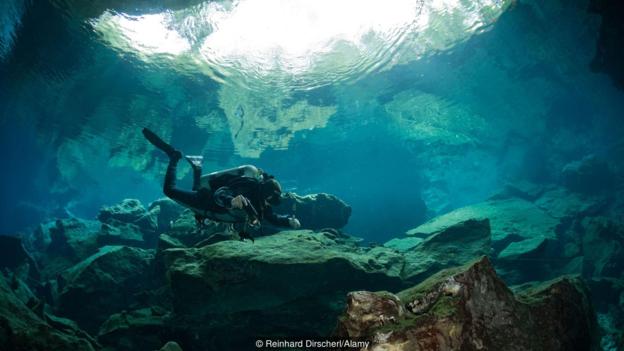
(460, 109)
(405, 112)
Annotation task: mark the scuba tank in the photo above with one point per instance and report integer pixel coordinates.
(215, 180)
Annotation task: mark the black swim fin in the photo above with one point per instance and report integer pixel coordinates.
(161, 144)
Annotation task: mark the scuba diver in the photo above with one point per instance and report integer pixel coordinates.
(242, 196)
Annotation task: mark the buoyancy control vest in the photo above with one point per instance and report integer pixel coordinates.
(210, 182)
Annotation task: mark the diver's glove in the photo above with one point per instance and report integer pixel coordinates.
(294, 223)
(239, 202)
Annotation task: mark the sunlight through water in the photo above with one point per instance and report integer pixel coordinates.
(297, 44)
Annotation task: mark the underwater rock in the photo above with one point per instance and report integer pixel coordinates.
(171, 346)
(316, 211)
(470, 308)
(526, 249)
(121, 234)
(603, 248)
(166, 242)
(510, 220)
(521, 189)
(144, 329)
(291, 262)
(186, 231)
(589, 175)
(166, 211)
(14, 258)
(446, 247)
(565, 205)
(106, 282)
(607, 296)
(23, 329)
(403, 244)
(291, 281)
(71, 237)
(22, 291)
(64, 243)
(129, 211)
(535, 259)
(367, 311)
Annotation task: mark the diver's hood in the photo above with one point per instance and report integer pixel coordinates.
(271, 191)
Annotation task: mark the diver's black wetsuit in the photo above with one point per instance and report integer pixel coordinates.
(219, 202)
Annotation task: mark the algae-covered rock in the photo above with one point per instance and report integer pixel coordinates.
(521, 189)
(470, 308)
(564, 205)
(234, 276)
(447, 247)
(63, 243)
(316, 211)
(289, 282)
(367, 311)
(403, 244)
(22, 329)
(535, 259)
(106, 282)
(292, 282)
(121, 234)
(166, 242)
(527, 249)
(166, 211)
(144, 329)
(130, 211)
(510, 220)
(186, 230)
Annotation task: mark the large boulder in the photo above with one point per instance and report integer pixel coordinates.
(292, 262)
(186, 231)
(534, 236)
(316, 211)
(470, 308)
(445, 247)
(130, 211)
(510, 220)
(61, 244)
(144, 329)
(589, 175)
(23, 329)
(566, 206)
(535, 259)
(109, 281)
(166, 211)
(231, 292)
(122, 234)
(520, 189)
